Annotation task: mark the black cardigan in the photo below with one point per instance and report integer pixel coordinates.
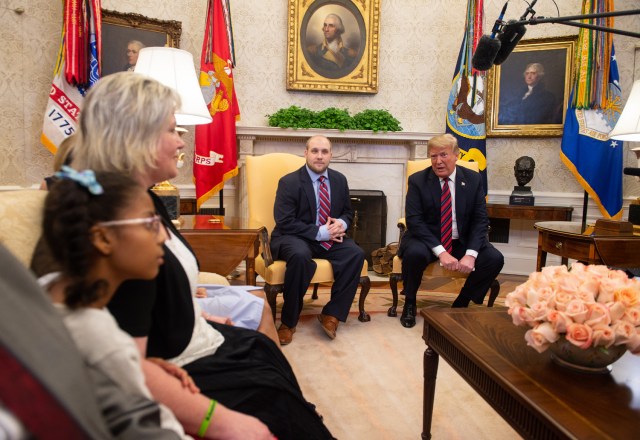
(161, 309)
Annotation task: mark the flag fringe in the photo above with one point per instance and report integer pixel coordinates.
(206, 196)
(585, 185)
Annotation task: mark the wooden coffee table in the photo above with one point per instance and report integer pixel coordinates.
(538, 398)
(221, 243)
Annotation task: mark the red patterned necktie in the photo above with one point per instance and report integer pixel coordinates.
(324, 204)
(446, 219)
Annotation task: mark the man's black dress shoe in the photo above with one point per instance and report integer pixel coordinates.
(408, 318)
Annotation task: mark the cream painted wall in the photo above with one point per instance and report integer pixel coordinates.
(419, 42)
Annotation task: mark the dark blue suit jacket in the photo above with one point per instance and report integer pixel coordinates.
(423, 209)
(295, 207)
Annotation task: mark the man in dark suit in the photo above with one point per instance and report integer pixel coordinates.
(312, 224)
(447, 224)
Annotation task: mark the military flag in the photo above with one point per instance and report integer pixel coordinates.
(77, 69)
(466, 104)
(216, 158)
(592, 112)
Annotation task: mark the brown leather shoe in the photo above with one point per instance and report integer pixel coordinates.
(329, 325)
(285, 334)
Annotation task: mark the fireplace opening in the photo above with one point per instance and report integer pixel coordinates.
(369, 226)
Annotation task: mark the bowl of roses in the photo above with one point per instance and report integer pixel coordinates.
(588, 316)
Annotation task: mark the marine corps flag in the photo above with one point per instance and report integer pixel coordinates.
(77, 69)
(216, 160)
(465, 108)
(592, 112)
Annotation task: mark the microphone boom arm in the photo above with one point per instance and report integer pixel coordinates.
(567, 21)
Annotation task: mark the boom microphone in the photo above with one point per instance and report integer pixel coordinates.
(488, 46)
(511, 34)
(509, 38)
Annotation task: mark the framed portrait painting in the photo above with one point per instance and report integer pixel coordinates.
(333, 45)
(527, 94)
(124, 34)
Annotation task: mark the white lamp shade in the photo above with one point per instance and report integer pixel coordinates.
(628, 126)
(174, 68)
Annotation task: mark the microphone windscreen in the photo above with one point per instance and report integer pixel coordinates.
(485, 53)
(632, 171)
(509, 38)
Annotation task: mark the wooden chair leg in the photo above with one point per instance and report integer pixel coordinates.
(272, 294)
(393, 283)
(365, 283)
(493, 292)
(315, 291)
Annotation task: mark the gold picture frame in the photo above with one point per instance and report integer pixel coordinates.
(542, 112)
(353, 67)
(119, 28)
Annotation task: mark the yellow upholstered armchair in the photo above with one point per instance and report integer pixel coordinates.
(434, 269)
(263, 174)
(21, 221)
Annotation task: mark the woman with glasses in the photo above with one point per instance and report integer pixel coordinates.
(127, 125)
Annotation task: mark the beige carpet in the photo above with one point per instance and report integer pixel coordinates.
(368, 382)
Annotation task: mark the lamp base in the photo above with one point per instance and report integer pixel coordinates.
(170, 196)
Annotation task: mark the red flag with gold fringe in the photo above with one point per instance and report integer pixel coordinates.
(216, 160)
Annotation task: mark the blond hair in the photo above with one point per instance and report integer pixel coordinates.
(444, 141)
(121, 123)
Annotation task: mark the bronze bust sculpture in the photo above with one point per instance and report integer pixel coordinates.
(523, 171)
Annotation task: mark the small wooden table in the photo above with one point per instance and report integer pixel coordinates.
(566, 240)
(220, 243)
(496, 210)
(538, 398)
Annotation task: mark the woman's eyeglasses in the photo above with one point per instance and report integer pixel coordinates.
(151, 224)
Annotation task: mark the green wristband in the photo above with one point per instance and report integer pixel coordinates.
(207, 419)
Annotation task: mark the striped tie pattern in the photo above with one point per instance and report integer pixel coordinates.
(446, 219)
(324, 203)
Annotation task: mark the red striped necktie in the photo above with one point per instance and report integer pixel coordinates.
(324, 203)
(446, 218)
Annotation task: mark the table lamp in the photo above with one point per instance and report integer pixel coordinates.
(628, 129)
(174, 68)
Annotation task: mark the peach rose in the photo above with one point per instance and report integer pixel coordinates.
(608, 287)
(634, 344)
(521, 315)
(588, 290)
(517, 297)
(576, 310)
(632, 316)
(597, 315)
(541, 337)
(616, 311)
(559, 320)
(580, 335)
(618, 275)
(539, 310)
(597, 271)
(566, 282)
(625, 332)
(561, 299)
(604, 336)
(553, 271)
(627, 294)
